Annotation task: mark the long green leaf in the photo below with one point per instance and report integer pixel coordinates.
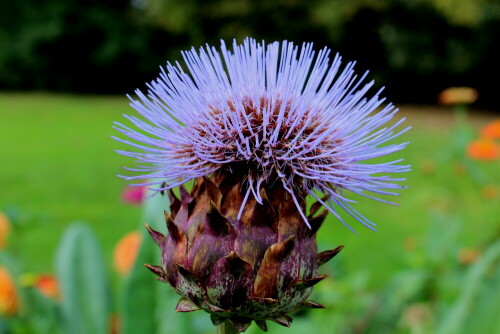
(148, 306)
(139, 297)
(83, 283)
(455, 318)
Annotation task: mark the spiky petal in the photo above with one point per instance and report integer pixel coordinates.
(277, 112)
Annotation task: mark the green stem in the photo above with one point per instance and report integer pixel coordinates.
(226, 328)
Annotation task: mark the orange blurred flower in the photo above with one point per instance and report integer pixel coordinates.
(126, 252)
(458, 95)
(4, 229)
(492, 130)
(483, 149)
(468, 255)
(47, 285)
(115, 323)
(9, 302)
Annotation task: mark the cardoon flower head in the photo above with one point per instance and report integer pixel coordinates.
(258, 129)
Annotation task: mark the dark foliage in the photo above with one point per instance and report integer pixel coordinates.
(113, 46)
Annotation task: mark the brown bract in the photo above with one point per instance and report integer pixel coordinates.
(260, 267)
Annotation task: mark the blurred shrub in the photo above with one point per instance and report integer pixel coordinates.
(419, 47)
(82, 46)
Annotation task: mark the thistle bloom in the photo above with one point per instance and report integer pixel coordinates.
(287, 116)
(258, 129)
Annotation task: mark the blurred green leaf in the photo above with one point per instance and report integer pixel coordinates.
(148, 306)
(456, 317)
(139, 293)
(83, 283)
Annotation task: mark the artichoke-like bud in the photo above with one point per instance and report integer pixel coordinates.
(258, 129)
(259, 267)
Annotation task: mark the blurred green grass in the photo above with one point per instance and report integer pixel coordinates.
(58, 166)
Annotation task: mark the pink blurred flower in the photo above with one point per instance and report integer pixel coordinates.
(134, 195)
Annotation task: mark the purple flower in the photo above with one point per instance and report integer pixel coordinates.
(279, 113)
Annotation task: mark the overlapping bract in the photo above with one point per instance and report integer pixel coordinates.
(256, 268)
(282, 113)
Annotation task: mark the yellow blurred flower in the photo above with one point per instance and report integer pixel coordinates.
(468, 255)
(126, 252)
(9, 301)
(4, 229)
(483, 149)
(458, 95)
(492, 130)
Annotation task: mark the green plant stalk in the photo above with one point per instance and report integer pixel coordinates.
(226, 328)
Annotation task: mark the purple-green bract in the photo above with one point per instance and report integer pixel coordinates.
(282, 113)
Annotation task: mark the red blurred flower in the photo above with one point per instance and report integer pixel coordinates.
(47, 285)
(126, 251)
(9, 301)
(483, 149)
(492, 130)
(133, 195)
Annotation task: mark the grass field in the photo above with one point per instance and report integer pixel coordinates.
(58, 166)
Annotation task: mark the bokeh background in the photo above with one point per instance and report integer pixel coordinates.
(71, 237)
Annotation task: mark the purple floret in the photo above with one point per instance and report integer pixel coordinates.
(287, 114)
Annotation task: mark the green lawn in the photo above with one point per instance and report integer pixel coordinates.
(58, 166)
